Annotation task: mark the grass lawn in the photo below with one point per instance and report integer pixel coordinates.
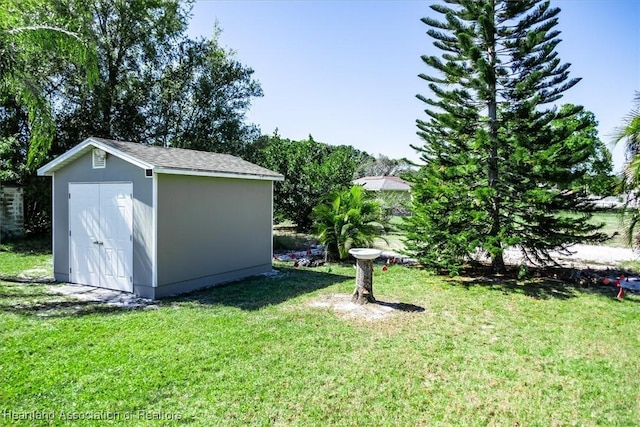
(612, 224)
(482, 352)
(611, 220)
(18, 256)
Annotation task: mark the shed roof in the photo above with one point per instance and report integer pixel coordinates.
(166, 160)
(383, 183)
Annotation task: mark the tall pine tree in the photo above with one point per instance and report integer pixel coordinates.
(499, 170)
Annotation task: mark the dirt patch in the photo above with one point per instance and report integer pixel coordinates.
(90, 294)
(578, 256)
(34, 275)
(341, 305)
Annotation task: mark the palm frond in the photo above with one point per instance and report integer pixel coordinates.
(347, 219)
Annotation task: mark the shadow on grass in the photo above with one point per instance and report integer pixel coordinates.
(33, 245)
(57, 309)
(401, 306)
(35, 300)
(546, 283)
(30, 299)
(35, 280)
(538, 289)
(20, 290)
(258, 292)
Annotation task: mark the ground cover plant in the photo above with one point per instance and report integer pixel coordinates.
(471, 350)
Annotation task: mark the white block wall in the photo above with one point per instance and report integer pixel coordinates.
(11, 212)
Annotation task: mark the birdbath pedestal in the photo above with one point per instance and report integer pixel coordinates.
(364, 274)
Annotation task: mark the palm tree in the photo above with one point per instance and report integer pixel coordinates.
(346, 219)
(629, 132)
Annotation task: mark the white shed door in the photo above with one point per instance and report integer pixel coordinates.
(100, 242)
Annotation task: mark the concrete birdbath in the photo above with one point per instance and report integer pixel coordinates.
(364, 274)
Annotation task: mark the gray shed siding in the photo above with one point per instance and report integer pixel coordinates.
(211, 230)
(117, 170)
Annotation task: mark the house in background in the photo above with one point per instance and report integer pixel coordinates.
(11, 211)
(158, 221)
(383, 183)
(393, 192)
(621, 201)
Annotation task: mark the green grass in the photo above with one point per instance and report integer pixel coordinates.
(483, 352)
(613, 225)
(16, 256)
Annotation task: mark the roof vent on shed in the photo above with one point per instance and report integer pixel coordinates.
(99, 159)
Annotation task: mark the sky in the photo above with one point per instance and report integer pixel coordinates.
(346, 72)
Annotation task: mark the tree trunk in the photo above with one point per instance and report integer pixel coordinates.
(364, 282)
(497, 264)
(497, 261)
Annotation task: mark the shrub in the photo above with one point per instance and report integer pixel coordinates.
(346, 219)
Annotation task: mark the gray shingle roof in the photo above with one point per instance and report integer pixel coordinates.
(383, 183)
(169, 160)
(179, 158)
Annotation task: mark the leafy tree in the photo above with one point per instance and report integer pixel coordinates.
(149, 82)
(200, 101)
(311, 170)
(501, 166)
(629, 132)
(36, 36)
(134, 40)
(629, 184)
(156, 85)
(394, 203)
(384, 166)
(346, 219)
(14, 135)
(594, 172)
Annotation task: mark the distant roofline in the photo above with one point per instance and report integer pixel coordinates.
(377, 183)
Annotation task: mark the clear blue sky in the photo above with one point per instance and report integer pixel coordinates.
(346, 71)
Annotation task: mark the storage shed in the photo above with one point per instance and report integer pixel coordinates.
(158, 221)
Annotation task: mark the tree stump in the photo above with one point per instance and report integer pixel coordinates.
(364, 282)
